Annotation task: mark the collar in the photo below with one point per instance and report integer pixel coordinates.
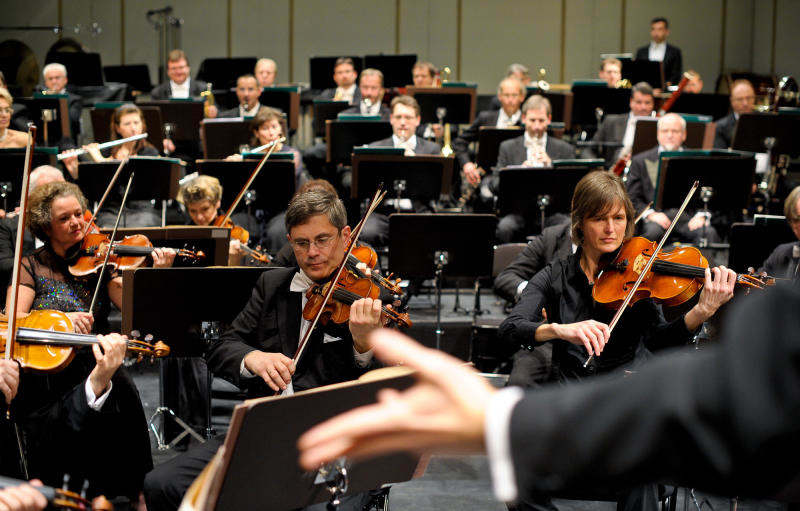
(300, 282)
(249, 113)
(410, 142)
(661, 149)
(658, 46)
(530, 141)
(503, 118)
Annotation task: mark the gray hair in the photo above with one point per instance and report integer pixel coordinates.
(54, 66)
(304, 206)
(663, 118)
(42, 171)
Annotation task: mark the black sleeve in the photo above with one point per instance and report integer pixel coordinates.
(721, 138)
(504, 156)
(636, 185)
(461, 143)
(519, 328)
(525, 266)
(723, 419)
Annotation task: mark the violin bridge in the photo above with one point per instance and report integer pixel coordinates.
(639, 263)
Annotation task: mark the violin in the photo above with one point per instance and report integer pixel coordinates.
(45, 342)
(366, 255)
(674, 278)
(61, 498)
(130, 252)
(240, 233)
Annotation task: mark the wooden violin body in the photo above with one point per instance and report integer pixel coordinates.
(45, 341)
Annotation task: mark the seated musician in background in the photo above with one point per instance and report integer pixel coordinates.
(661, 51)
(621, 128)
(344, 74)
(405, 119)
(424, 74)
(641, 187)
(518, 71)
(266, 72)
(180, 83)
(9, 137)
(743, 101)
(55, 82)
(73, 420)
(784, 261)
(577, 326)
(610, 72)
(255, 352)
(247, 92)
(370, 87)
(533, 149)
(511, 93)
(19, 118)
(695, 83)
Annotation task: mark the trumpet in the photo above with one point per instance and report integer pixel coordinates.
(542, 84)
(209, 99)
(447, 150)
(102, 146)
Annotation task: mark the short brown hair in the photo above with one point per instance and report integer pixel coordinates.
(371, 71)
(266, 114)
(790, 205)
(407, 101)
(643, 88)
(344, 60)
(428, 66)
(40, 205)
(613, 61)
(176, 55)
(304, 206)
(537, 102)
(596, 193)
(200, 188)
(116, 118)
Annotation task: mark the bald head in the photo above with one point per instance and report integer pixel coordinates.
(743, 97)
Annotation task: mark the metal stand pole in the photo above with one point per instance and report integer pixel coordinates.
(440, 260)
(164, 413)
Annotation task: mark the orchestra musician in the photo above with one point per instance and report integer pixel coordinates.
(247, 92)
(180, 83)
(511, 93)
(344, 75)
(266, 72)
(695, 83)
(784, 261)
(55, 82)
(671, 133)
(19, 119)
(661, 51)
(621, 128)
(518, 71)
(424, 74)
(610, 71)
(370, 87)
(743, 101)
(8, 136)
(73, 420)
(255, 352)
(602, 218)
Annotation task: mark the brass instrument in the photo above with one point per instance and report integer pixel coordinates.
(445, 74)
(209, 99)
(541, 83)
(623, 84)
(447, 149)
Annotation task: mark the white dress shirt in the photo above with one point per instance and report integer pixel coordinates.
(534, 146)
(504, 121)
(345, 94)
(410, 144)
(179, 91)
(657, 51)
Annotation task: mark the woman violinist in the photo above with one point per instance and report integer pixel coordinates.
(86, 420)
(602, 218)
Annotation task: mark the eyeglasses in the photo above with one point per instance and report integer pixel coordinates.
(321, 242)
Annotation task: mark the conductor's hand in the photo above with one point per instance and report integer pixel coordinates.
(108, 359)
(23, 497)
(163, 257)
(365, 316)
(444, 411)
(591, 334)
(659, 218)
(472, 173)
(9, 378)
(274, 368)
(81, 322)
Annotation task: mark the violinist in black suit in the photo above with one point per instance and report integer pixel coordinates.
(254, 353)
(660, 50)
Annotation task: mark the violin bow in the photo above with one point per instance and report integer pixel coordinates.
(647, 266)
(11, 306)
(111, 240)
(272, 145)
(105, 194)
(640, 215)
(376, 200)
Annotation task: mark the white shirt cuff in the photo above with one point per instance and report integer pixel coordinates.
(647, 212)
(498, 442)
(244, 372)
(362, 359)
(96, 403)
(521, 287)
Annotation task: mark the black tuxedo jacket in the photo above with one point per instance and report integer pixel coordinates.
(164, 91)
(461, 143)
(781, 262)
(423, 146)
(384, 111)
(723, 133)
(513, 152)
(640, 186)
(612, 129)
(328, 95)
(553, 243)
(233, 112)
(271, 322)
(8, 240)
(673, 62)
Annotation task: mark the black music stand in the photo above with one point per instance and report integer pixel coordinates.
(342, 136)
(424, 178)
(752, 130)
(560, 104)
(396, 69)
(428, 245)
(588, 96)
(159, 290)
(185, 114)
(213, 241)
(259, 461)
(702, 103)
(751, 244)
(82, 68)
(649, 71)
(274, 185)
(101, 114)
(137, 76)
(224, 137)
(699, 134)
(459, 102)
(325, 110)
(222, 73)
(321, 71)
(489, 140)
(532, 192)
(12, 161)
(286, 99)
(53, 106)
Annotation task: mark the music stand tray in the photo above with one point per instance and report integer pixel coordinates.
(751, 244)
(489, 140)
(223, 137)
(155, 178)
(427, 177)
(518, 188)
(649, 71)
(703, 103)
(588, 96)
(185, 114)
(342, 136)
(137, 76)
(57, 128)
(222, 72)
(326, 110)
(274, 185)
(459, 102)
(753, 128)
(699, 135)
(396, 69)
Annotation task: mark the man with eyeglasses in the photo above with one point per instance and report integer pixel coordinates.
(256, 352)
